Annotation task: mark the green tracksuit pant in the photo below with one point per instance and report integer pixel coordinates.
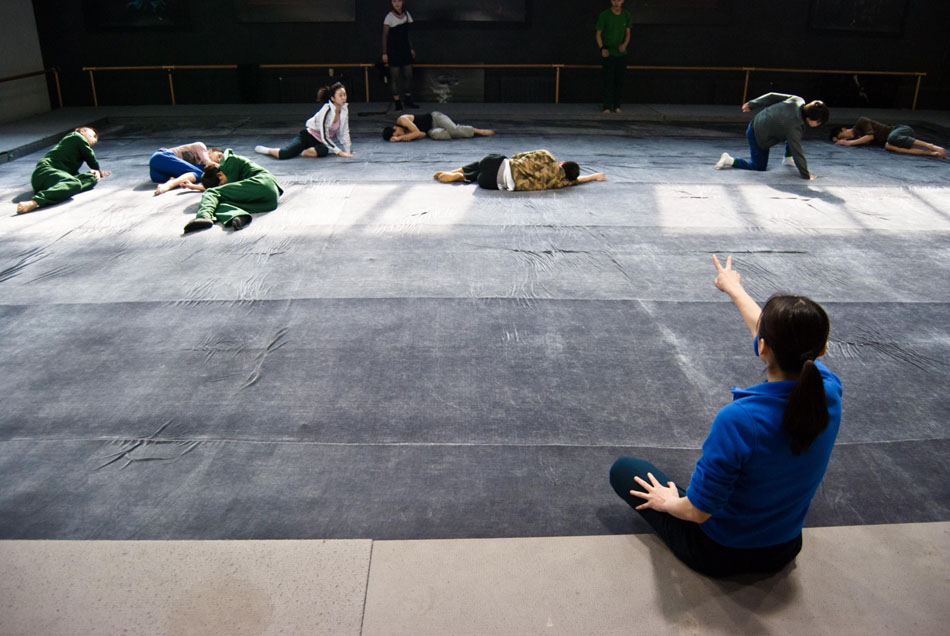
(52, 185)
(241, 198)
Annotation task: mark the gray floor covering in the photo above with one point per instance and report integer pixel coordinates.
(392, 358)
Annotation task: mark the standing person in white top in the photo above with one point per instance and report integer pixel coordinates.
(327, 131)
(398, 54)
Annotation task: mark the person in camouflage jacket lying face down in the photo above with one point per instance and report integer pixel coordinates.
(525, 171)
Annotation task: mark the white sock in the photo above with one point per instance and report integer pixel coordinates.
(261, 150)
(788, 161)
(725, 161)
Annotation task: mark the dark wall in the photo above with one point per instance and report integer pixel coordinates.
(752, 33)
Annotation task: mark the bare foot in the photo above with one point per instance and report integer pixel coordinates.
(606, 111)
(161, 189)
(26, 206)
(617, 110)
(484, 132)
(448, 177)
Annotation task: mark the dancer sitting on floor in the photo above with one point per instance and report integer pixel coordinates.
(899, 138)
(534, 170)
(764, 457)
(171, 167)
(56, 176)
(779, 118)
(434, 125)
(233, 190)
(327, 131)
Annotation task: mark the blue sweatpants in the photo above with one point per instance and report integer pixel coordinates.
(165, 164)
(760, 156)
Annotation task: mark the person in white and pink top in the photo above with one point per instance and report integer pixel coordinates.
(328, 131)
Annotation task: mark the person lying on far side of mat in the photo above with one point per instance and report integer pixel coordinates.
(764, 457)
(328, 131)
(779, 118)
(525, 171)
(899, 138)
(435, 125)
(233, 190)
(171, 167)
(56, 176)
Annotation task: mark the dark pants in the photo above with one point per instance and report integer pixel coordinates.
(484, 172)
(759, 159)
(686, 539)
(614, 68)
(301, 142)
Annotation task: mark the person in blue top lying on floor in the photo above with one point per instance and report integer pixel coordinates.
(764, 457)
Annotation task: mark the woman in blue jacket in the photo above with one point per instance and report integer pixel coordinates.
(765, 455)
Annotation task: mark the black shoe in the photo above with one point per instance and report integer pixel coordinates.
(198, 224)
(397, 106)
(239, 223)
(409, 103)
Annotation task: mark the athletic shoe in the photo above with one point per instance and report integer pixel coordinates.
(238, 223)
(261, 150)
(725, 161)
(788, 161)
(197, 224)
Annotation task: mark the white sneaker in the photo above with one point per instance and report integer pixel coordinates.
(725, 161)
(261, 150)
(788, 161)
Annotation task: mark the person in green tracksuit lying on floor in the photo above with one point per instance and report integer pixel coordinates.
(56, 176)
(233, 190)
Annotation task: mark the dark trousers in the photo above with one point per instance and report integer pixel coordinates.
(686, 539)
(484, 172)
(301, 142)
(614, 68)
(759, 159)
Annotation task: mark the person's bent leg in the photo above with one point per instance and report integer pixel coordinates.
(62, 187)
(164, 165)
(759, 157)
(455, 131)
(297, 145)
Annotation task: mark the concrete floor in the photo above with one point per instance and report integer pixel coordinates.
(890, 577)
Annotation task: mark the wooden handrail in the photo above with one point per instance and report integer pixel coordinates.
(747, 70)
(55, 72)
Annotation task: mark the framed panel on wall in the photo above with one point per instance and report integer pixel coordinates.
(295, 10)
(858, 16)
(680, 11)
(135, 14)
(468, 10)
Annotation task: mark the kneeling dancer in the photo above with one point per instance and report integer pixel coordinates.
(56, 176)
(525, 171)
(233, 191)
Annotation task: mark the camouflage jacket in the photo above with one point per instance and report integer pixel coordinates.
(537, 170)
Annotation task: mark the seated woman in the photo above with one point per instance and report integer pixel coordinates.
(764, 457)
(327, 131)
(172, 167)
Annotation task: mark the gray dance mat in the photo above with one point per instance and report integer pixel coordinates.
(385, 356)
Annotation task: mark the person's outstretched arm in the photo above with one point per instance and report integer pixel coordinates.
(597, 176)
(730, 281)
(859, 141)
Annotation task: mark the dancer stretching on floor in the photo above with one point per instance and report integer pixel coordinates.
(534, 170)
(56, 176)
(327, 131)
(779, 118)
(171, 167)
(764, 457)
(233, 191)
(899, 138)
(434, 125)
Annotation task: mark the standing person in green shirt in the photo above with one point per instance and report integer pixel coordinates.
(613, 36)
(56, 176)
(233, 190)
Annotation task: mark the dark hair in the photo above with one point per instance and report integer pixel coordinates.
(571, 170)
(816, 111)
(796, 330)
(215, 150)
(388, 132)
(837, 131)
(326, 92)
(209, 178)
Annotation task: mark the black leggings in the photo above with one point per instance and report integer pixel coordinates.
(301, 142)
(686, 539)
(484, 172)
